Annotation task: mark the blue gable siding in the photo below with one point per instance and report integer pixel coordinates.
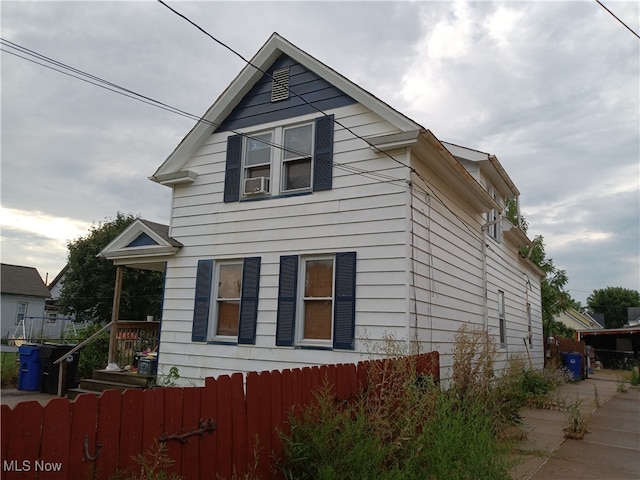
(142, 240)
(256, 106)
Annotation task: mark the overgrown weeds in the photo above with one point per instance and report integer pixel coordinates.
(150, 465)
(405, 426)
(10, 370)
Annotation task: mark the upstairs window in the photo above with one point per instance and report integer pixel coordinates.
(257, 163)
(296, 163)
(287, 159)
(493, 216)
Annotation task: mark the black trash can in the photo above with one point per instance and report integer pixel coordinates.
(49, 353)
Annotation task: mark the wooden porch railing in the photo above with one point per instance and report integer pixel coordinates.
(133, 337)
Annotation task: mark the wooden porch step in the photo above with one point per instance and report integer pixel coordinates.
(124, 377)
(111, 380)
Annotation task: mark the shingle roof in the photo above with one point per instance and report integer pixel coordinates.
(18, 280)
(162, 230)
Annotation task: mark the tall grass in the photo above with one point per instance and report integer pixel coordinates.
(405, 427)
(9, 369)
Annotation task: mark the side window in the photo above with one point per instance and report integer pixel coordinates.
(493, 216)
(21, 312)
(529, 325)
(316, 301)
(226, 298)
(502, 319)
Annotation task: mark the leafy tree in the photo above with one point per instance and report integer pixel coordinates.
(89, 282)
(554, 298)
(613, 302)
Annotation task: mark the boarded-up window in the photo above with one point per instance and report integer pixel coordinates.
(318, 299)
(228, 298)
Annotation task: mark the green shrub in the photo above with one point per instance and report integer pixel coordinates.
(401, 428)
(10, 369)
(95, 354)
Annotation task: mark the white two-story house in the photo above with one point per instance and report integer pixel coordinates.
(311, 223)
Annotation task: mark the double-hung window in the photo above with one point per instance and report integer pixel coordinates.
(226, 301)
(257, 163)
(316, 313)
(493, 216)
(286, 159)
(21, 312)
(228, 292)
(316, 301)
(501, 319)
(296, 158)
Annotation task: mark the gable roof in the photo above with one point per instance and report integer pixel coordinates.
(142, 244)
(18, 280)
(170, 171)
(410, 133)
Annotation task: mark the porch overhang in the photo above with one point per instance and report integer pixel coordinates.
(143, 245)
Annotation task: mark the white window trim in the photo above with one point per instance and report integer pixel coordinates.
(283, 161)
(300, 340)
(276, 172)
(502, 320)
(494, 230)
(529, 325)
(213, 307)
(24, 313)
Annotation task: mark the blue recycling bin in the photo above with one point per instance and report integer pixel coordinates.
(573, 362)
(30, 368)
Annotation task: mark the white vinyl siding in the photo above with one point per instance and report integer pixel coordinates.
(360, 213)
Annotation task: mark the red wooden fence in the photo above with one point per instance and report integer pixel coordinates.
(93, 437)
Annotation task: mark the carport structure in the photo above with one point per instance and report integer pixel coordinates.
(615, 348)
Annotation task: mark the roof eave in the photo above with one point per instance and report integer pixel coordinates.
(244, 81)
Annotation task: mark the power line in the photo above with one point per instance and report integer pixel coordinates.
(411, 184)
(248, 62)
(618, 19)
(60, 67)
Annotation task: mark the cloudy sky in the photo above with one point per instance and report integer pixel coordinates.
(550, 88)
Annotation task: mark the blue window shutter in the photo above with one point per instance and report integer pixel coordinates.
(344, 313)
(249, 301)
(232, 169)
(323, 154)
(287, 293)
(202, 300)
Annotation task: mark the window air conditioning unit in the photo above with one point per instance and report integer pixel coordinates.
(257, 185)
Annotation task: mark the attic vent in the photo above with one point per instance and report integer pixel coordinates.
(280, 86)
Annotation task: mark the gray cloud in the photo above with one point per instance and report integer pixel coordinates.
(551, 88)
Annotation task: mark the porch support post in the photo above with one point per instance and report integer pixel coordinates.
(115, 313)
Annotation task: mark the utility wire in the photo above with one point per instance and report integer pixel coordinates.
(411, 184)
(618, 19)
(248, 62)
(60, 67)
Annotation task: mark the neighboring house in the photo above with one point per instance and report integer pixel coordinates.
(311, 223)
(23, 298)
(66, 324)
(576, 320)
